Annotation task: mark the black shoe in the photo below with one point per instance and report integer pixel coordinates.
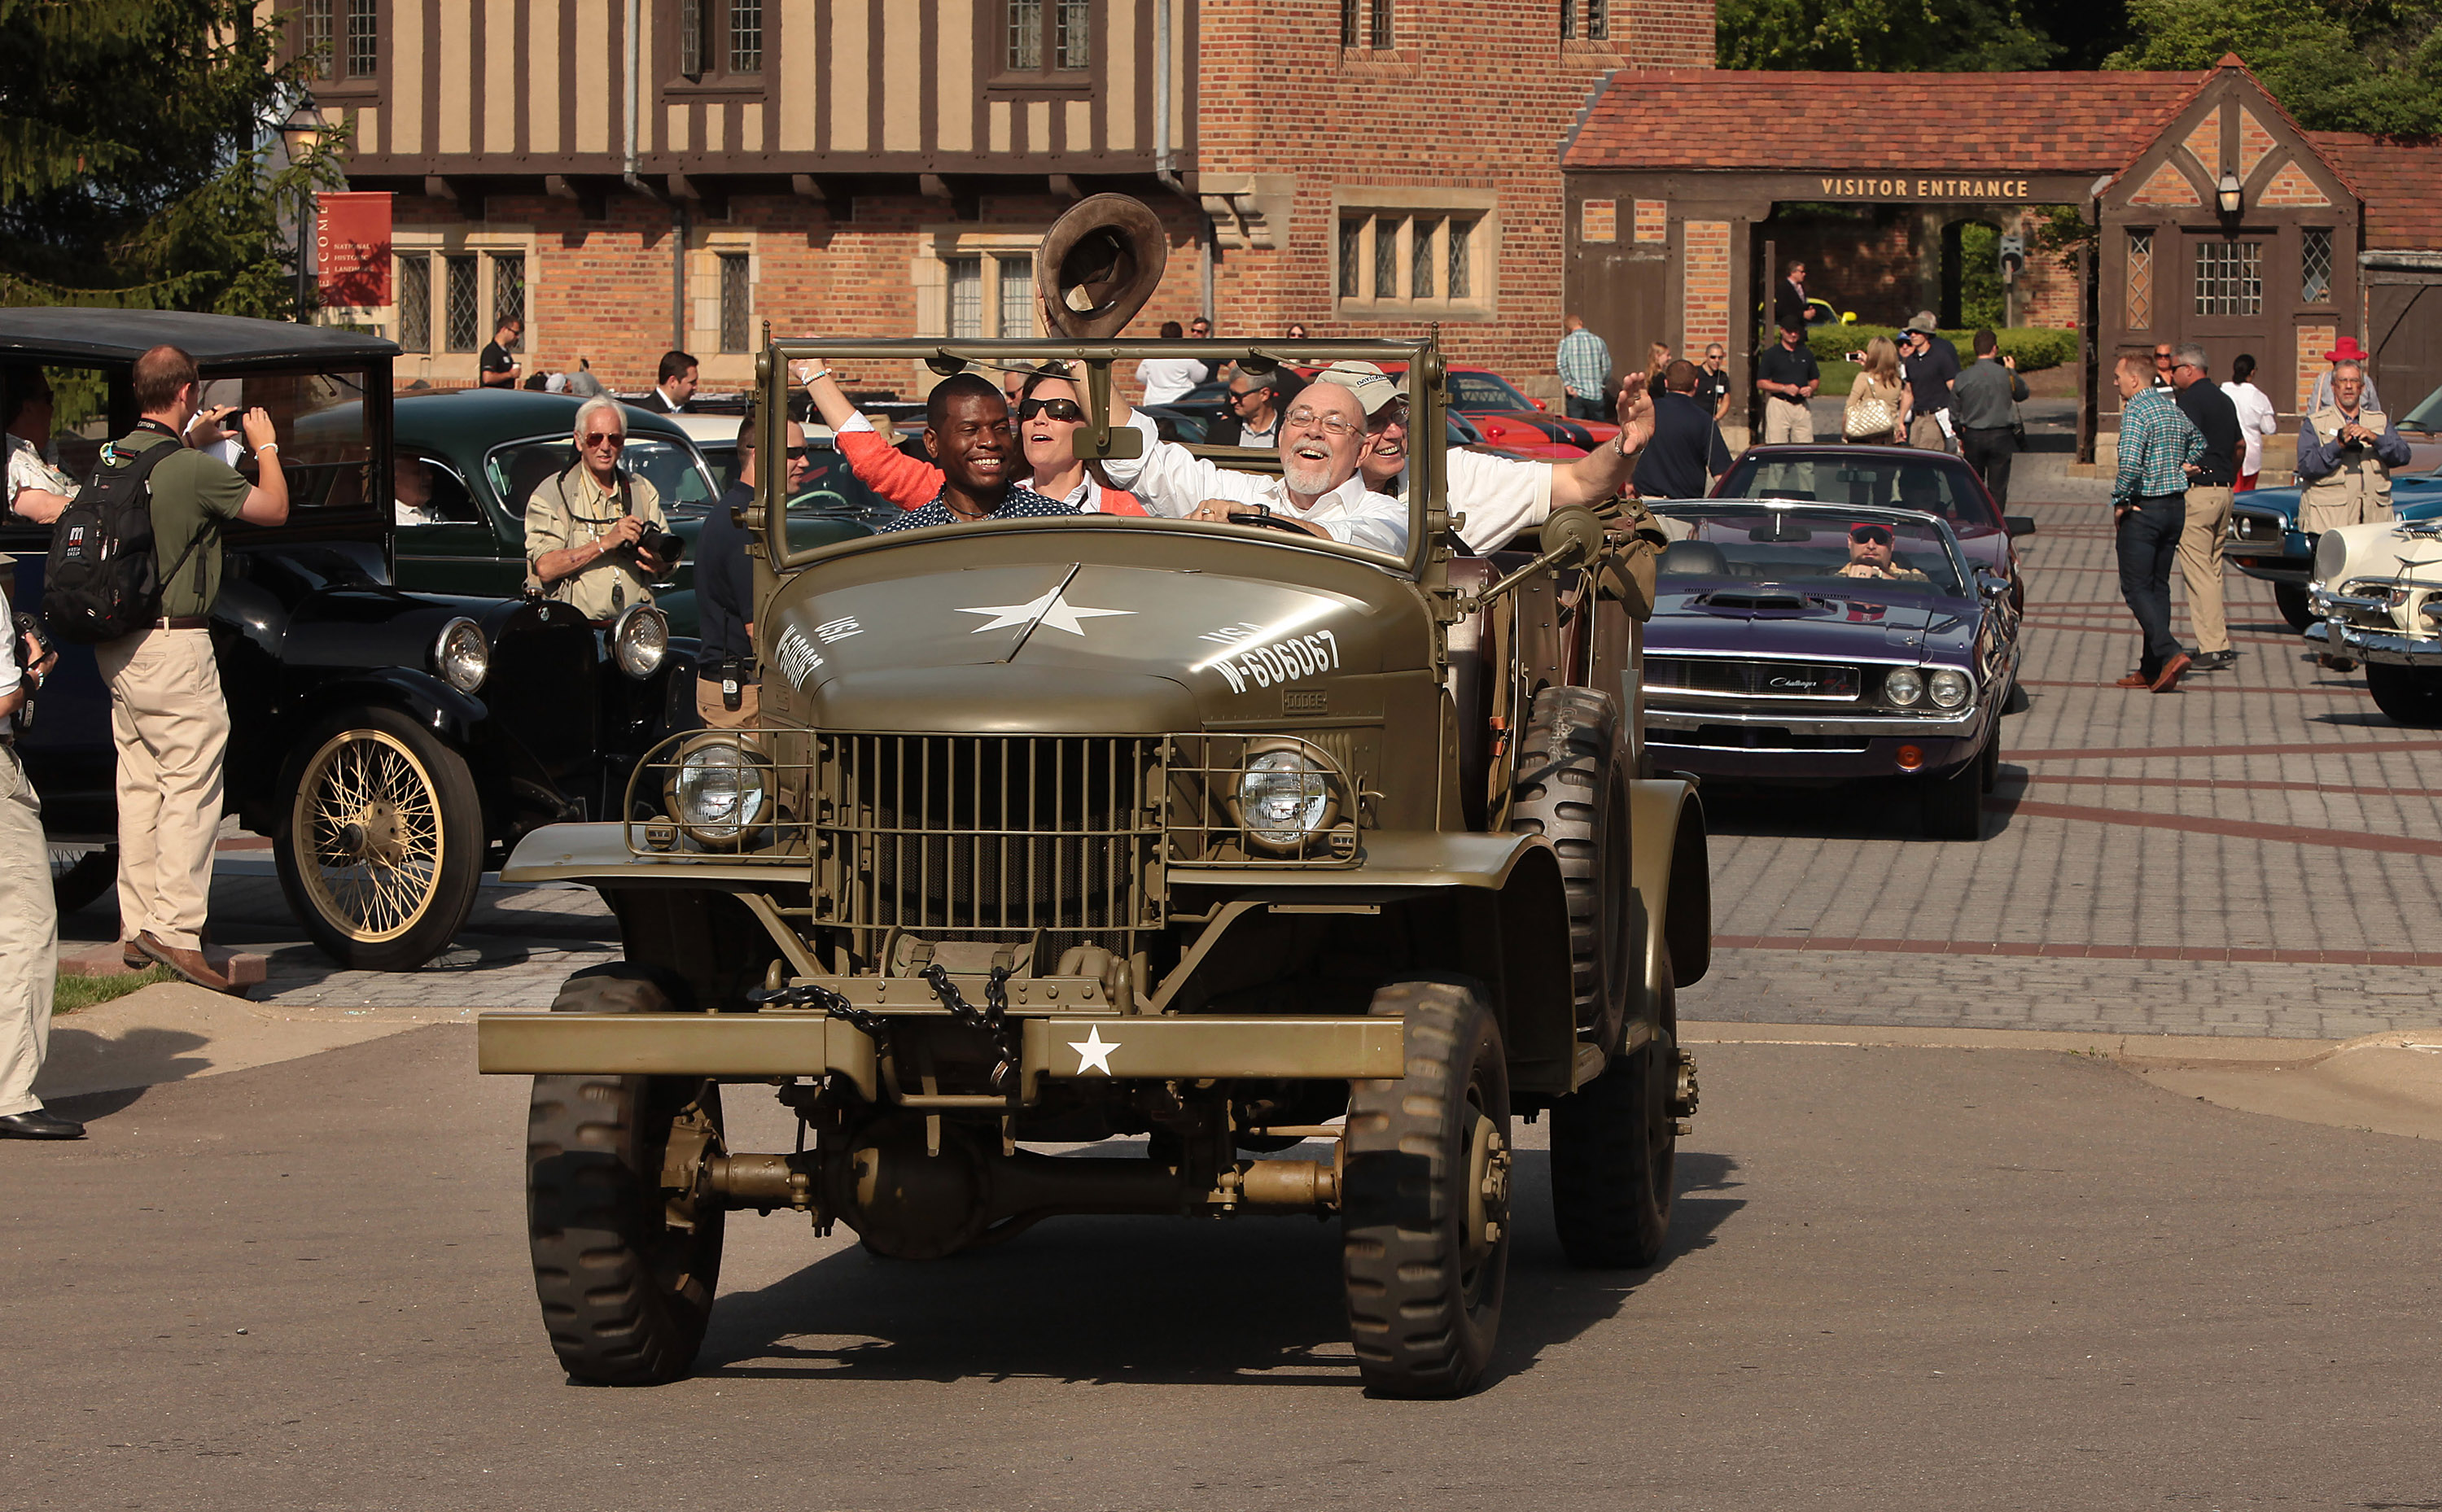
(2211, 661)
(38, 1124)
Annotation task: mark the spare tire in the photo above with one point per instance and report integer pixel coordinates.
(1572, 788)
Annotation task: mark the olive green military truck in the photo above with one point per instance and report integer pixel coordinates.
(1306, 868)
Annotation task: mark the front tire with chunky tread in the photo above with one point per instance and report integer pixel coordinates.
(625, 1271)
(1614, 1154)
(1425, 1201)
(1572, 788)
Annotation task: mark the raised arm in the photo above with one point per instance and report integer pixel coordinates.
(1603, 471)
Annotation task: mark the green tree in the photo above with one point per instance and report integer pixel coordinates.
(1895, 36)
(2370, 65)
(136, 163)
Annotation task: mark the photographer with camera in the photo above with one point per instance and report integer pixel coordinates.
(595, 536)
(29, 922)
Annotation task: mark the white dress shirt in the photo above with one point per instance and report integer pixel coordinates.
(1170, 481)
(1497, 496)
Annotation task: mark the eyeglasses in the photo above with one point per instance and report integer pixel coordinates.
(1878, 534)
(796, 453)
(1065, 409)
(1329, 425)
(612, 439)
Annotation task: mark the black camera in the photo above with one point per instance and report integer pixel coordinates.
(25, 628)
(665, 546)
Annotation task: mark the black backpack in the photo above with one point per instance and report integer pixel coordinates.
(102, 579)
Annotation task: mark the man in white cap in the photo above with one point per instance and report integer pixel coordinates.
(1496, 496)
(1319, 491)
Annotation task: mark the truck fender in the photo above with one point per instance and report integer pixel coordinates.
(1671, 866)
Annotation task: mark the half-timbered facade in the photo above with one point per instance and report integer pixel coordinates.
(631, 174)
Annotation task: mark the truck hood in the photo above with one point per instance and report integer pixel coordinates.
(1052, 643)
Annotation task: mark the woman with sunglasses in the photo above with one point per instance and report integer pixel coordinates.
(1047, 415)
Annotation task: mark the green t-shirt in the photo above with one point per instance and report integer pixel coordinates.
(189, 489)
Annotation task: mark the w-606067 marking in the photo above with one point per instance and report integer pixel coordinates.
(1300, 656)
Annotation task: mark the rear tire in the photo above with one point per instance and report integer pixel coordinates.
(2290, 598)
(1615, 1153)
(625, 1269)
(2407, 695)
(1954, 806)
(1572, 788)
(80, 877)
(1425, 1200)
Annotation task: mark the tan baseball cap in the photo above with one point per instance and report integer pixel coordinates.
(1373, 386)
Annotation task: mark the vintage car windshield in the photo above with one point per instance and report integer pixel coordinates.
(673, 469)
(2427, 417)
(1800, 545)
(325, 452)
(1943, 488)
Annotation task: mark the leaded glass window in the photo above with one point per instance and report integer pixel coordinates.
(2141, 280)
(2315, 269)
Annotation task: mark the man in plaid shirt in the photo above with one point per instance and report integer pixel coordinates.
(1585, 369)
(2149, 503)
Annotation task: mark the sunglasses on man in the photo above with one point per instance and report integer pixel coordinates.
(607, 438)
(1068, 410)
(1876, 535)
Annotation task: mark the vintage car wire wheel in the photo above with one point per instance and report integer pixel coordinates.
(1572, 788)
(1424, 1223)
(79, 874)
(1615, 1151)
(381, 844)
(2407, 695)
(625, 1269)
(2290, 598)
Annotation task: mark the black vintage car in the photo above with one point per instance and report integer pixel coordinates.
(392, 744)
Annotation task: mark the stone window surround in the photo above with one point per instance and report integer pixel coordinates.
(1483, 256)
(458, 367)
(928, 275)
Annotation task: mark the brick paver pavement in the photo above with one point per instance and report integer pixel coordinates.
(2259, 856)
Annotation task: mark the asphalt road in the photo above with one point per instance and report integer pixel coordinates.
(1899, 1279)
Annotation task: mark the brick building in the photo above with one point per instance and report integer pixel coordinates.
(629, 177)
(2208, 214)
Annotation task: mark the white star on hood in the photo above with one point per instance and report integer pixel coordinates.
(1091, 1052)
(1051, 608)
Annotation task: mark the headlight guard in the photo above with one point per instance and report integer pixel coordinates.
(718, 790)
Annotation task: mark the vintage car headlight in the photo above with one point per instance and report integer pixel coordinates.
(1282, 799)
(1950, 688)
(2331, 555)
(640, 638)
(1902, 686)
(718, 790)
(460, 655)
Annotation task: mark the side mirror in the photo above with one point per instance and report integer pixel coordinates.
(1540, 404)
(1571, 536)
(2019, 525)
(1991, 585)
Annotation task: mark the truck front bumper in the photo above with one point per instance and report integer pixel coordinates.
(782, 1043)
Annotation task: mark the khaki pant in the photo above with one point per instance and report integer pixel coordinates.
(2200, 549)
(718, 715)
(1924, 433)
(1786, 420)
(30, 939)
(171, 729)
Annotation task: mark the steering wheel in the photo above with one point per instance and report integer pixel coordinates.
(1260, 518)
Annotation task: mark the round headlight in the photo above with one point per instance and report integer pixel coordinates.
(2331, 555)
(718, 793)
(1902, 686)
(1282, 799)
(460, 656)
(640, 638)
(1950, 689)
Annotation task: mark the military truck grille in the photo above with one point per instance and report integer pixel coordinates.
(988, 834)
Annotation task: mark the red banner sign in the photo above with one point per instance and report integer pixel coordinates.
(352, 249)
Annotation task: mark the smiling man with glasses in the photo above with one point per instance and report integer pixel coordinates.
(586, 529)
(1320, 490)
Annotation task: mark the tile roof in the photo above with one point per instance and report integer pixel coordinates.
(1995, 122)
(2400, 182)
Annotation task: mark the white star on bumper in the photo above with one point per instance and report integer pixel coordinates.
(1091, 1052)
(1051, 608)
